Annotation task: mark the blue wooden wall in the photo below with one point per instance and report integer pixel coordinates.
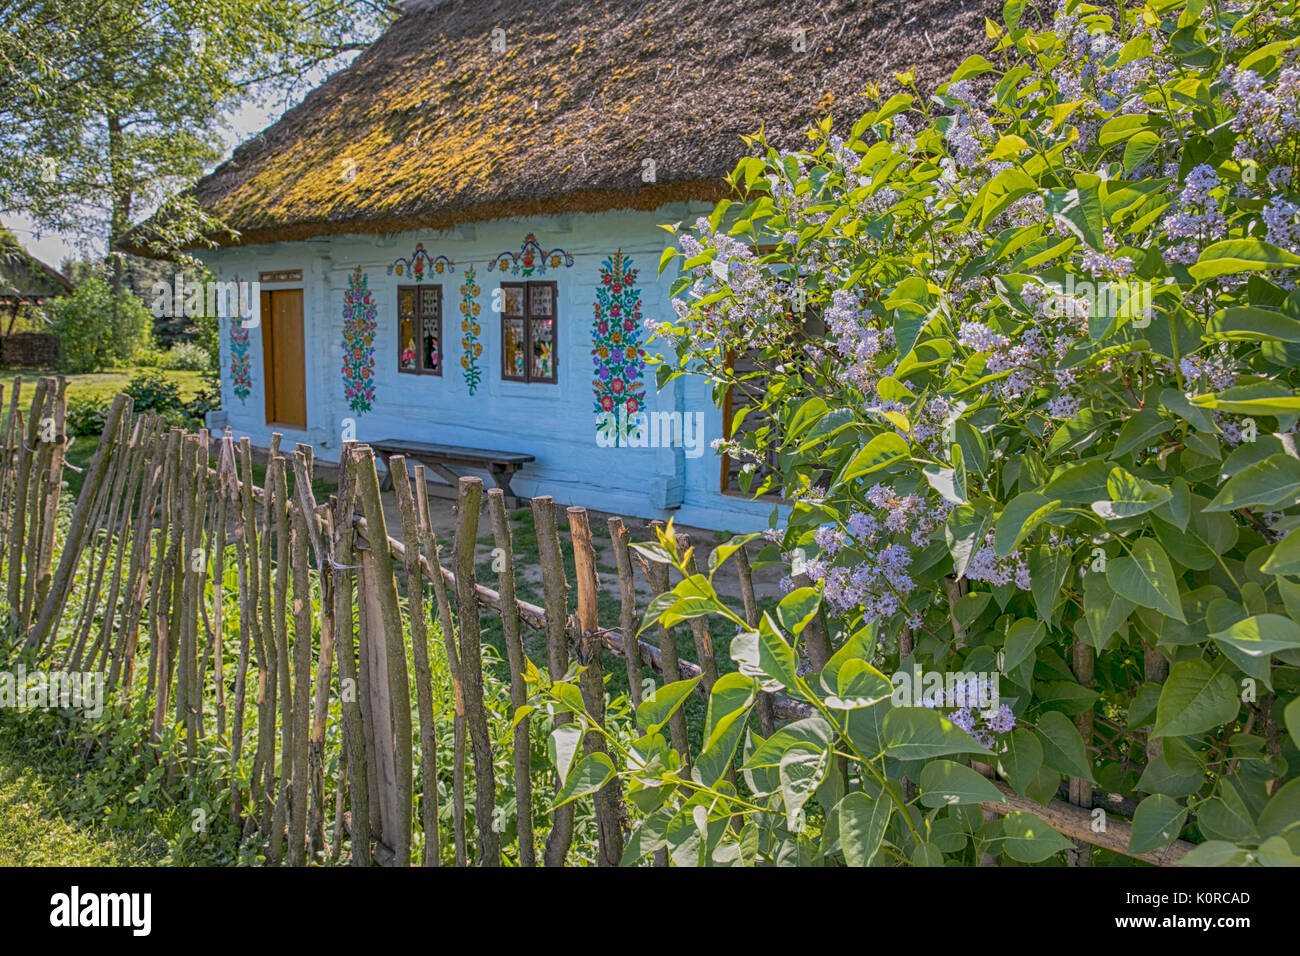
(556, 423)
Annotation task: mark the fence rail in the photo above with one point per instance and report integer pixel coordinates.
(160, 517)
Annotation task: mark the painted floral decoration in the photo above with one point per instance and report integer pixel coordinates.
(359, 343)
(420, 265)
(470, 331)
(531, 259)
(616, 350)
(241, 363)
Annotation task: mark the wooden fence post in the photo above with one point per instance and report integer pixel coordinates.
(384, 595)
(411, 534)
(471, 497)
(429, 545)
(557, 651)
(518, 687)
(618, 536)
(592, 682)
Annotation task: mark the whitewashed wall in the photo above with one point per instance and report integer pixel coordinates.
(556, 423)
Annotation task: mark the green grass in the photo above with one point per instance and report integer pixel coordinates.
(105, 384)
(34, 830)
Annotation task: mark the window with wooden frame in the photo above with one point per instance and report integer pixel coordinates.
(529, 332)
(419, 329)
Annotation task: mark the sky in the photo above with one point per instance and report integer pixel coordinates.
(252, 118)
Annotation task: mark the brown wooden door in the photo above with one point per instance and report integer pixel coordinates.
(282, 352)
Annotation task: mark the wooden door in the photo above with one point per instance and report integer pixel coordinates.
(283, 359)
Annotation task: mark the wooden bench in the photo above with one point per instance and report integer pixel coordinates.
(501, 465)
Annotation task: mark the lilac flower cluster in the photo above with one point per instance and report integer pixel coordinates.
(985, 565)
(1263, 117)
(879, 582)
(1196, 217)
(982, 725)
(1216, 369)
(1282, 218)
(857, 338)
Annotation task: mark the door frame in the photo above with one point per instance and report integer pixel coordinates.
(268, 364)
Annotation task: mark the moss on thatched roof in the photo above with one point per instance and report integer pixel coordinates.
(24, 279)
(430, 127)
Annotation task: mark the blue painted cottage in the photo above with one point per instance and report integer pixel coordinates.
(457, 237)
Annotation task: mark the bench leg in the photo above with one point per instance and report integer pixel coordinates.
(501, 475)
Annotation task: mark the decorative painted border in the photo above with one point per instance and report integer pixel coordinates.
(359, 326)
(420, 264)
(616, 350)
(531, 259)
(470, 329)
(241, 362)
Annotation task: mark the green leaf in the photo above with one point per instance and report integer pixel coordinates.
(800, 771)
(1157, 822)
(656, 709)
(1087, 211)
(965, 531)
(862, 822)
(1004, 189)
(917, 733)
(1275, 481)
(1137, 149)
(1023, 638)
(945, 783)
(563, 745)
(798, 608)
(1082, 483)
(1129, 496)
(1241, 255)
(1023, 759)
(1261, 634)
(1020, 517)
(1029, 839)
(1285, 556)
(591, 773)
(1292, 717)
(1063, 748)
(775, 656)
(881, 452)
(1146, 578)
(1195, 698)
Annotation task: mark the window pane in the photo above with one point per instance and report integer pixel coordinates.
(541, 301)
(543, 348)
(405, 343)
(405, 301)
(429, 301)
(512, 348)
(432, 353)
(514, 300)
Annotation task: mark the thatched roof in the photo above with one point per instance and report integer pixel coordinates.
(443, 130)
(24, 279)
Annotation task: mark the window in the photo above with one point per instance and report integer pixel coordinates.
(419, 329)
(528, 338)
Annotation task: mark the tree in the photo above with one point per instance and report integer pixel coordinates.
(107, 107)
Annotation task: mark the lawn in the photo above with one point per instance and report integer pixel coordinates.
(105, 384)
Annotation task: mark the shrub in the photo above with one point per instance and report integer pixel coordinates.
(1030, 351)
(151, 392)
(93, 336)
(86, 414)
(186, 356)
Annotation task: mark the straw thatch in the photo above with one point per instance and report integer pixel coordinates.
(430, 127)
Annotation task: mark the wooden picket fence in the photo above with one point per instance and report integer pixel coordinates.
(162, 512)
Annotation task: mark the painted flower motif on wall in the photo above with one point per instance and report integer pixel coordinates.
(616, 352)
(470, 331)
(241, 362)
(359, 326)
(531, 259)
(420, 265)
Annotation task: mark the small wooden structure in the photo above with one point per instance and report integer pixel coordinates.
(501, 465)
